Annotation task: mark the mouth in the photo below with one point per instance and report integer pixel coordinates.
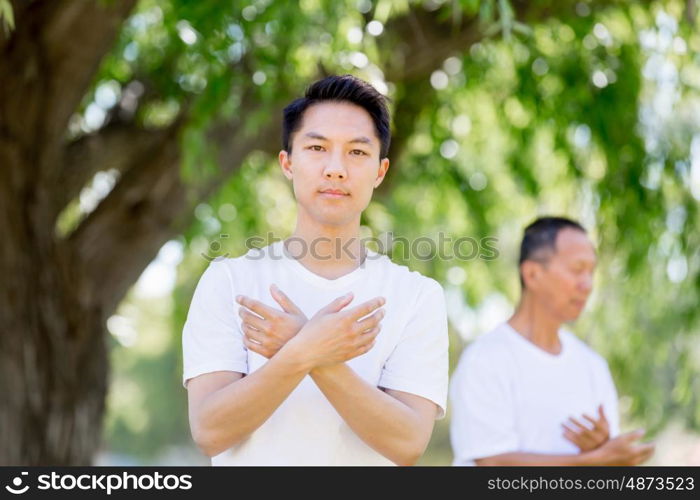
(579, 303)
(333, 193)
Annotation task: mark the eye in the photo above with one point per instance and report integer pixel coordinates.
(583, 269)
(358, 152)
(315, 147)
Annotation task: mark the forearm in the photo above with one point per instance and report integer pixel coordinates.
(537, 459)
(383, 422)
(231, 414)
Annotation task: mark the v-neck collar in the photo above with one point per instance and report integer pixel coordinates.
(338, 283)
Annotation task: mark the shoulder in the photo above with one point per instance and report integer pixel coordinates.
(222, 273)
(252, 259)
(489, 350)
(405, 278)
(485, 364)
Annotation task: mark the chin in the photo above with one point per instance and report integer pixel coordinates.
(568, 318)
(333, 219)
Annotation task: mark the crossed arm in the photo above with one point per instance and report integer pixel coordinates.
(394, 423)
(622, 450)
(225, 407)
(594, 443)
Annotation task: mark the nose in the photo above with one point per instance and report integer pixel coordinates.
(335, 169)
(586, 283)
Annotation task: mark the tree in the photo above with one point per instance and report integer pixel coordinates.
(168, 99)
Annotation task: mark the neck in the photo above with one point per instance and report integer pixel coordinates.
(330, 251)
(536, 324)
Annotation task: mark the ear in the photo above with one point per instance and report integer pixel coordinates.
(285, 160)
(531, 272)
(383, 168)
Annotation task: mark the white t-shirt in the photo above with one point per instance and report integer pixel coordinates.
(509, 395)
(410, 354)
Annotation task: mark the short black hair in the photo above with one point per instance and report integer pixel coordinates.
(542, 235)
(346, 88)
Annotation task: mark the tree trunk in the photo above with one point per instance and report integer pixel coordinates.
(53, 357)
(53, 361)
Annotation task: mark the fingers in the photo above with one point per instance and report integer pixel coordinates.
(647, 448)
(366, 308)
(285, 302)
(255, 347)
(641, 453)
(370, 321)
(599, 426)
(634, 435)
(570, 430)
(587, 437)
(601, 413)
(337, 304)
(645, 453)
(255, 335)
(571, 436)
(579, 425)
(251, 319)
(257, 307)
(582, 439)
(369, 336)
(591, 420)
(365, 342)
(576, 440)
(367, 347)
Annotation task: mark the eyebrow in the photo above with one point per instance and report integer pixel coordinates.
(362, 139)
(314, 135)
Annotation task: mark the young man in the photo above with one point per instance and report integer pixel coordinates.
(530, 392)
(315, 350)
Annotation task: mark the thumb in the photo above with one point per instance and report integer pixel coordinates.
(285, 302)
(635, 435)
(337, 304)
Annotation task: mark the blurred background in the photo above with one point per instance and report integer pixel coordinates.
(138, 141)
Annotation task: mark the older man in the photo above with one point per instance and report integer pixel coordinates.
(530, 392)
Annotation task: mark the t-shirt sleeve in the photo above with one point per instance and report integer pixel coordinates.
(211, 338)
(483, 422)
(608, 397)
(419, 363)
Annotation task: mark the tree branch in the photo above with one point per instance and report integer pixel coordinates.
(46, 67)
(117, 146)
(150, 205)
(419, 42)
(124, 233)
(74, 40)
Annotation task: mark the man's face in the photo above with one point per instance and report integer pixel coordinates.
(334, 164)
(563, 282)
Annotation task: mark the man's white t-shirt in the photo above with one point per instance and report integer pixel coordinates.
(410, 353)
(509, 395)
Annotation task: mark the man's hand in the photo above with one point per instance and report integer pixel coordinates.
(267, 329)
(622, 450)
(585, 437)
(334, 336)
